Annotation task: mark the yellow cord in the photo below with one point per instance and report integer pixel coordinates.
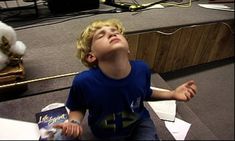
(189, 4)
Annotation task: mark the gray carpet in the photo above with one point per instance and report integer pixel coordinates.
(51, 51)
(214, 103)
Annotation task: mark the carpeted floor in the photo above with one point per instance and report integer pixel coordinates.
(214, 103)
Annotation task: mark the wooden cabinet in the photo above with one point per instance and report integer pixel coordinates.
(19, 7)
(171, 49)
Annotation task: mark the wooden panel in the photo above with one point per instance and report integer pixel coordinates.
(201, 45)
(224, 44)
(171, 56)
(182, 51)
(147, 47)
(191, 49)
(133, 41)
(202, 54)
(176, 48)
(164, 48)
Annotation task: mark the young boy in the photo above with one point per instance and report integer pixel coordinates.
(114, 88)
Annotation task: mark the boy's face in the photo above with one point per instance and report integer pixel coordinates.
(107, 40)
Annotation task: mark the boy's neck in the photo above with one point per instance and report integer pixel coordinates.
(116, 68)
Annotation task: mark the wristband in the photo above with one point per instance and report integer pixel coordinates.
(75, 121)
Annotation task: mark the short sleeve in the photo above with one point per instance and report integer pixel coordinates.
(148, 83)
(76, 100)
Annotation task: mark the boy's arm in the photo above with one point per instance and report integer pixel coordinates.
(184, 92)
(72, 128)
(76, 115)
(159, 94)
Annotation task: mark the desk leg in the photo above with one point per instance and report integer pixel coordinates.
(36, 7)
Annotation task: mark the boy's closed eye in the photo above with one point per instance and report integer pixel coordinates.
(102, 33)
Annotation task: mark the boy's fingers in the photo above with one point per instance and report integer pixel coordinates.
(58, 126)
(77, 132)
(190, 82)
(188, 96)
(64, 129)
(191, 93)
(191, 85)
(69, 130)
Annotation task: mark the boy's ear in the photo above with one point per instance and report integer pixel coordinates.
(90, 57)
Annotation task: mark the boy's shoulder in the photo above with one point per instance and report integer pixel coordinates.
(86, 74)
(83, 74)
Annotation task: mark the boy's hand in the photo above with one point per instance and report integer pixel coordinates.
(70, 129)
(185, 92)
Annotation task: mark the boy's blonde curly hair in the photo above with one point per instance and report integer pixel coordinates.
(85, 39)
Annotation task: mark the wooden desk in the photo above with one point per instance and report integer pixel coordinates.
(35, 7)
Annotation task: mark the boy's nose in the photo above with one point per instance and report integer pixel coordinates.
(111, 34)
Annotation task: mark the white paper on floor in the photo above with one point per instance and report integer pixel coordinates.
(178, 128)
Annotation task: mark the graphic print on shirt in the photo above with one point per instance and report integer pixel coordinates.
(135, 104)
(118, 121)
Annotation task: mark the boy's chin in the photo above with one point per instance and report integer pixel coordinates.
(120, 49)
(119, 46)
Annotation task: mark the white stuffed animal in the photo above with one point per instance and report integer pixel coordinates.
(11, 50)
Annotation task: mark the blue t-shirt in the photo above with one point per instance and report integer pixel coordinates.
(114, 105)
